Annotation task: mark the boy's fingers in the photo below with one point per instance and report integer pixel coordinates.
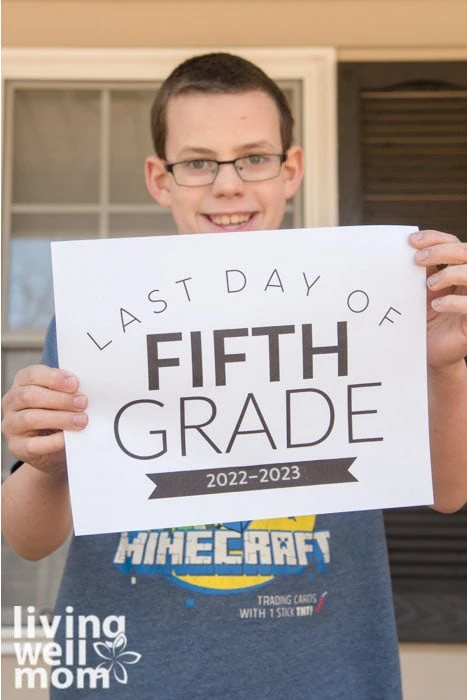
(22, 397)
(33, 421)
(43, 452)
(36, 446)
(19, 426)
(451, 303)
(36, 435)
(41, 404)
(421, 239)
(48, 377)
(451, 276)
(442, 254)
(436, 248)
(445, 254)
(42, 387)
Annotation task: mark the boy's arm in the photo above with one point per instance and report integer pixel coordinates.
(445, 259)
(43, 401)
(448, 433)
(36, 514)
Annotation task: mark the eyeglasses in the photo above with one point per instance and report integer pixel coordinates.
(255, 167)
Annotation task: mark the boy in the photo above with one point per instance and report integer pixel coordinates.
(274, 628)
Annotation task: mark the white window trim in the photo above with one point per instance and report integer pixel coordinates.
(315, 67)
(372, 54)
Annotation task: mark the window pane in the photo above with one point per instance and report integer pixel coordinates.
(56, 226)
(30, 582)
(56, 146)
(156, 224)
(292, 90)
(130, 145)
(30, 302)
(288, 220)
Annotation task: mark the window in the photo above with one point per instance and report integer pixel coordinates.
(76, 135)
(403, 160)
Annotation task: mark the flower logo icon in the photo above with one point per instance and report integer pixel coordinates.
(116, 657)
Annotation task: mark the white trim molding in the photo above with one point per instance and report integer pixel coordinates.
(376, 54)
(314, 67)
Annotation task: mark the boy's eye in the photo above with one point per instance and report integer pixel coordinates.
(198, 165)
(256, 159)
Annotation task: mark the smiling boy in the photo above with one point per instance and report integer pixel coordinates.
(224, 161)
(198, 126)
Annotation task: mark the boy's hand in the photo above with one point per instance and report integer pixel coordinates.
(41, 404)
(446, 297)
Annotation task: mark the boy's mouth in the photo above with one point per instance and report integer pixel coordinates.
(229, 219)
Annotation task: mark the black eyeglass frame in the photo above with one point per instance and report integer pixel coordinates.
(170, 166)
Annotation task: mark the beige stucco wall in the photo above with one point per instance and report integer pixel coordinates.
(346, 24)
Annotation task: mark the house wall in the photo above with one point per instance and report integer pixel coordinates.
(392, 27)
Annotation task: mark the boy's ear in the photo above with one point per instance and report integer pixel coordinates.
(157, 181)
(293, 169)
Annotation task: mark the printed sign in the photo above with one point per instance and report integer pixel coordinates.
(244, 375)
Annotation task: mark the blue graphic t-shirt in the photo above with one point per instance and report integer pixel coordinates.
(295, 608)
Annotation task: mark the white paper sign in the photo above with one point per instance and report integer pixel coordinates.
(244, 375)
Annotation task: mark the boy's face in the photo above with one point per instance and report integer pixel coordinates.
(223, 127)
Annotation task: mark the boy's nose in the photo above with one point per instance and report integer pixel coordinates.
(227, 181)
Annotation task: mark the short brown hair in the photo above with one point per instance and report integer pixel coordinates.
(216, 73)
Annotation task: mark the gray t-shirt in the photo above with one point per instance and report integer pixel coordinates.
(295, 608)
